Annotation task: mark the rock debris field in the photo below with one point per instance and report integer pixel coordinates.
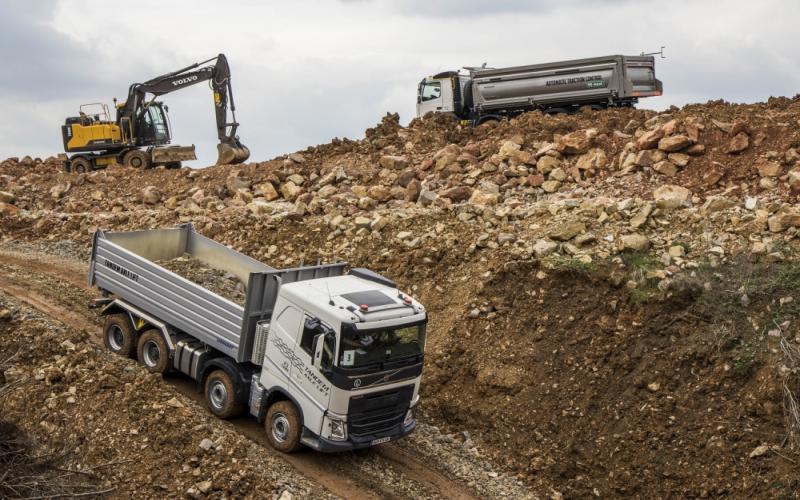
(613, 295)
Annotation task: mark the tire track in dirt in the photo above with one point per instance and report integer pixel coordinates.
(339, 474)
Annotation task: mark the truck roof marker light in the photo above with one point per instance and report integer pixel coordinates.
(407, 301)
(363, 307)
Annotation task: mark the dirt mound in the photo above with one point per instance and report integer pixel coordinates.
(599, 391)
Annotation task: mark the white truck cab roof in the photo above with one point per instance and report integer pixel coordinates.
(352, 299)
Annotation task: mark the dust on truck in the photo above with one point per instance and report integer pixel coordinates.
(324, 359)
(484, 94)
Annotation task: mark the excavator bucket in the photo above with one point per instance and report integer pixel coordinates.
(232, 153)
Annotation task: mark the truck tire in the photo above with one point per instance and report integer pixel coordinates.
(137, 158)
(153, 352)
(80, 165)
(119, 335)
(284, 426)
(220, 395)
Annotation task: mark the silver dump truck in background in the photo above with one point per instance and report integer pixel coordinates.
(325, 359)
(490, 94)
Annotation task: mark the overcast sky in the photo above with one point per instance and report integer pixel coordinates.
(307, 71)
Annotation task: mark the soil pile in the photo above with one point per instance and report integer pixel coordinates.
(224, 284)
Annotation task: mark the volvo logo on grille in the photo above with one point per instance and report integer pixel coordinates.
(357, 382)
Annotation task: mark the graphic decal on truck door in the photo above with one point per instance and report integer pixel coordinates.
(300, 367)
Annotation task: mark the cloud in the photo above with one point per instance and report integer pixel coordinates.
(305, 72)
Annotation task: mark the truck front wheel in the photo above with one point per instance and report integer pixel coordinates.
(284, 426)
(119, 335)
(220, 395)
(153, 352)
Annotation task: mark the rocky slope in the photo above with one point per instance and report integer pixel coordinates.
(613, 294)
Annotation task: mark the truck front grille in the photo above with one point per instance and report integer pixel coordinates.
(367, 425)
(373, 415)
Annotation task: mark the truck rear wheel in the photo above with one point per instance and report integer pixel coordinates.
(153, 352)
(221, 395)
(119, 335)
(284, 426)
(136, 159)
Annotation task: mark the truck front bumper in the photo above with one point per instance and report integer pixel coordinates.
(325, 445)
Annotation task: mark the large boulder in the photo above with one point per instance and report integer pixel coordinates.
(380, 193)
(151, 195)
(649, 140)
(567, 230)
(635, 242)
(290, 190)
(594, 159)
(737, 143)
(393, 162)
(457, 193)
(768, 168)
(670, 196)
(546, 164)
(783, 220)
(483, 198)
(577, 142)
(674, 143)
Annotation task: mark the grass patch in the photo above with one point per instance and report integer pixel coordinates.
(744, 362)
(641, 261)
(569, 264)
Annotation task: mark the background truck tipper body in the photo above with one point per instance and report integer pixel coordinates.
(488, 93)
(326, 359)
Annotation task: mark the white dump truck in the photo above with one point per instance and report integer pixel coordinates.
(483, 94)
(325, 359)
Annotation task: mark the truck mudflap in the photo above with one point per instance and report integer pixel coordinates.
(169, 154)
(324, 445)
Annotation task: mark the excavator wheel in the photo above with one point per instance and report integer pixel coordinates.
(137, 159)
(80, 165)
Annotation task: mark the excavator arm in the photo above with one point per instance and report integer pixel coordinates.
(230, 149)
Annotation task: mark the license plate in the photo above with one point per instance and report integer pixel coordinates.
(379, 441)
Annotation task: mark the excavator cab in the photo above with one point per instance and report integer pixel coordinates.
(153, 126)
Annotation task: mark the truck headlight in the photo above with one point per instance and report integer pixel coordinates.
(338, 430)
(409, 417)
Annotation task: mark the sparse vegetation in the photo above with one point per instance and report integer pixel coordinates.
(569, 264)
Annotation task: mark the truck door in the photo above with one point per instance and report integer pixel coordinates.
(280, 355)
(432, 96)
(315, 389)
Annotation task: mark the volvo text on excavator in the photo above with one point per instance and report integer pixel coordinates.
(140, 135)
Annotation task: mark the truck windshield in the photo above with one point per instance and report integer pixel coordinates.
(361, 348)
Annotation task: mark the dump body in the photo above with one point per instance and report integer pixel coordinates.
(560, 86)
(123, 264)
(599, 79)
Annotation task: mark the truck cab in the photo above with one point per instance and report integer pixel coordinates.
(349, 353)
(435, 93)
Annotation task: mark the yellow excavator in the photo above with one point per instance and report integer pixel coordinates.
(139, 136)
